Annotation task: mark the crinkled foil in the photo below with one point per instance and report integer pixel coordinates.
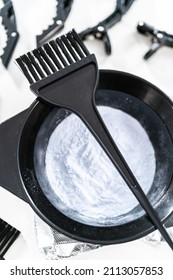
(155, 238)
(55, 245)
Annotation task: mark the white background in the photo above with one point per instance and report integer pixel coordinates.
(128, 48)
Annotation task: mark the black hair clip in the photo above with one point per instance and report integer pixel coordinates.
(158, 38)
(63, 9)
(9, 21)
(8, 236)
(100, 30)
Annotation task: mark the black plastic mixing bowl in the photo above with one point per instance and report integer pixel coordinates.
(23, 136)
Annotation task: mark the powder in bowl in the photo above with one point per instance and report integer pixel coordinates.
(82, 182)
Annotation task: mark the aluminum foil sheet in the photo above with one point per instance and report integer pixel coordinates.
(54, 245)
(155, 238)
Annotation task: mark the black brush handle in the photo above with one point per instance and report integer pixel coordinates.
(93, 120)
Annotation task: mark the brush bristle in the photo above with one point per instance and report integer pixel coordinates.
(52, 57)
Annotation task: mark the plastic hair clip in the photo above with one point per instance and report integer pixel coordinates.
(63, 9)
(100, 31)
(158, 38)
(9, 21)
(8, 236)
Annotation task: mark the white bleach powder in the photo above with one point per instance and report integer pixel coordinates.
(83, 183)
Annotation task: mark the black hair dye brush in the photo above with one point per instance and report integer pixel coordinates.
(63, 73)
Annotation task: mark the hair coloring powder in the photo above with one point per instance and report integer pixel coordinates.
(83, 183)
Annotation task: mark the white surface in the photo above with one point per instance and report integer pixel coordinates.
(128, 48)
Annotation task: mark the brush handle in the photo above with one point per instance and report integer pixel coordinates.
(97, 127)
